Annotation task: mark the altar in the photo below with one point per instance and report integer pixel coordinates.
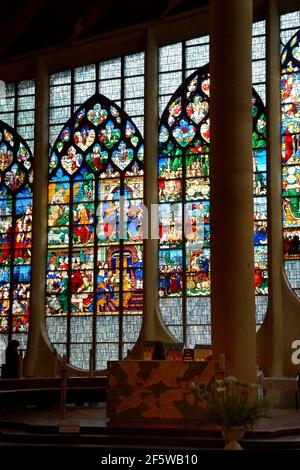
(155, 392)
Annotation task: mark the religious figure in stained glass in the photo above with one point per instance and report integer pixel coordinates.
(290, 137)
(92, 271)
(15, 233)
(184, 196)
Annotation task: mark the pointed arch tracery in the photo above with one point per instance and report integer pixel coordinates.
(16, 176)
(184, 196)
(94, 277)
(290, 137)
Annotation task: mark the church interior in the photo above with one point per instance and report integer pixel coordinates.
(149, 225)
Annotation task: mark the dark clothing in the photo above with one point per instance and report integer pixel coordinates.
(12, 363)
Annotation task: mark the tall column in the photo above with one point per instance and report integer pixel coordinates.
(275, 256)
(231, 173)
(153, 325)
(36, 362)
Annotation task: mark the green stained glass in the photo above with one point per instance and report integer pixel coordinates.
(184, 197)
(15, 231)
(96, 159)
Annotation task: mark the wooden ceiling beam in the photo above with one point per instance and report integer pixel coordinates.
(172, 4)
(174, 28)
(17, 22)
(93, 14)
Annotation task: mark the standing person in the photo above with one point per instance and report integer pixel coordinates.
(12, 359)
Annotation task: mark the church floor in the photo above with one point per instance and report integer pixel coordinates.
(33, 426)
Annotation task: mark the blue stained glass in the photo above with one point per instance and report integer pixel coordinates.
(22, 274)
(84, 190)
(164, 134)
(4, 275)
(184, 132)
(23, 206)
(184, 136)
(290, 128)
(170, 260)
(260, 160)
(59, 176)
(170, 167)
(15, 231)
(98, 158)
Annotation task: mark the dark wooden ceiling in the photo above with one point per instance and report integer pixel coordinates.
(29, 25)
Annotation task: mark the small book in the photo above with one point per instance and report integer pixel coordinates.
(188, 354)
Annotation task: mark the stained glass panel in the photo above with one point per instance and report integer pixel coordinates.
(17, 109)
(15, 231)
(183, 168)
(95, 276)
(290, 129)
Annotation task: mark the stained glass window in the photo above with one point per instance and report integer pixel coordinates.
(289, 25)
(121, 80)
(94, 276)
(17, 109)
(184, 189)
(15, 234)
(290, 130)
(259, 58)
(178, 61)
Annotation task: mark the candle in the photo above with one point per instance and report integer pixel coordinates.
(222, 362)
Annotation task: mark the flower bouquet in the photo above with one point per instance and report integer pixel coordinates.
(233, 405)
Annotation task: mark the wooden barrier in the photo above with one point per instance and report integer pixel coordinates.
(282, 384)
(63, 388)
(46, 391)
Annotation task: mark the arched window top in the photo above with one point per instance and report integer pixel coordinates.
(290, 89)
(15, 163)
(94, 296)
(185, 120)
(290, 139)
(183, 167)
(290, 58)
(16, 175)
(99, 138)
